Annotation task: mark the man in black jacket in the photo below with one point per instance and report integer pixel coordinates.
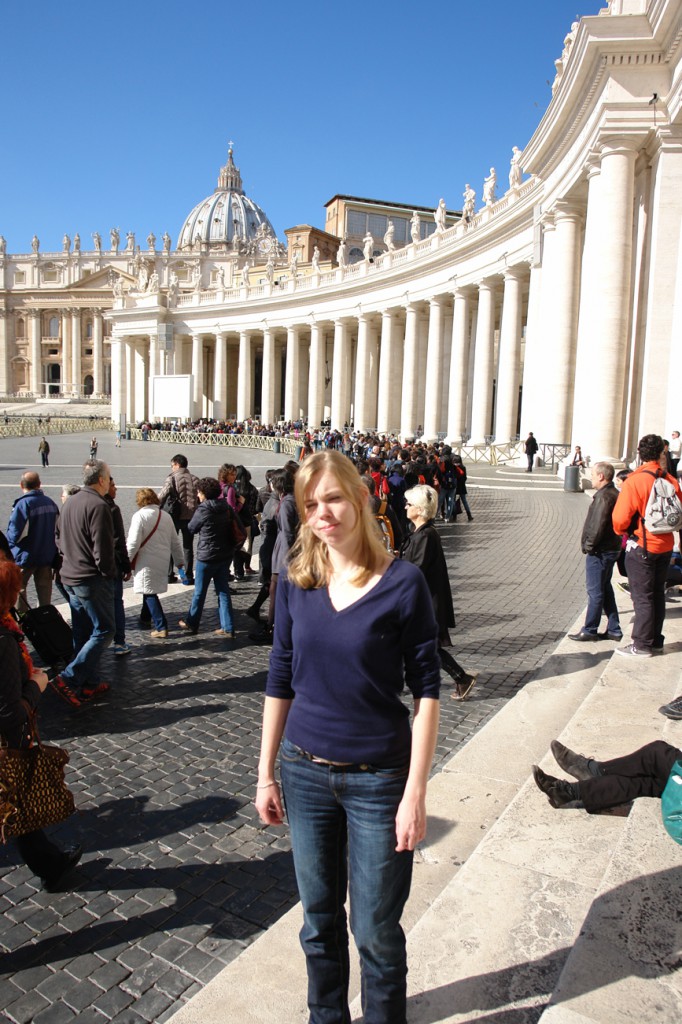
(601, 546)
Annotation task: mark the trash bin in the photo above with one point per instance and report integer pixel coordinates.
(572, 478)
(299, 449)
(127, 433)
(276, 446)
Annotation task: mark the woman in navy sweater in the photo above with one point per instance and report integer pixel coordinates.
(352, 627)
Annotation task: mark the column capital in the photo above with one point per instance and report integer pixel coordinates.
(489, 284)
(437, 300)
(566, 209)
(624, 145)
(516, 273)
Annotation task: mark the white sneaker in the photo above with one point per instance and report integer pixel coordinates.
(632, 652)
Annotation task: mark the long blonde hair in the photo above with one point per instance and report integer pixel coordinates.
(309, 565)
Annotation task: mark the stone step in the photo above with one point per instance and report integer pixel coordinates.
(535, 897)
(465, 801)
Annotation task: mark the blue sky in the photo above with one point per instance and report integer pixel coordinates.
(119, 114)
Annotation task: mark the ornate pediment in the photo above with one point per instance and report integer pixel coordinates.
(104, 278)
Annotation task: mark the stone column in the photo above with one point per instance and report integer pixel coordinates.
(459, 366)
(316, 376)
(36, 376)
(76, 372)
(389, 385)
(408, 409)
(5, 375)
(482, 399)
(291, 396)
(531, 401)
(140, 407)
(267, 405)
(97, 352)
(605, 303)
(245, 376)
(509, 363)
(117, 378)
(65, 384)
(560, 270)
(341, 375)
(130, 344)
(220, 376)
(434, 369)
(362, 417)
(197, 375)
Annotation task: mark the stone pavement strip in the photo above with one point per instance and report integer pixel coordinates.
(178, 877)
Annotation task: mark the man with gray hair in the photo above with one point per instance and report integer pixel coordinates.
(31, 537)
(601, 546)
(85, 538)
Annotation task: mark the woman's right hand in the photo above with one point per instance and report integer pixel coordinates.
(40, 679)
(269, 803)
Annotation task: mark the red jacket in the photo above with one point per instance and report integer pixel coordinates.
(633, 498)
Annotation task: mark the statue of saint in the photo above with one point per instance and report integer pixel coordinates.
(293, 266)
(153, 285)
(440, 217)
(220, 277)
(316, 260)
(173, 288)
(76, 242)
(130, 241)
(489, 185)
(341, 253)
(166, 242)
(367, 247)
(469, 207)
(115, 239)
(270, 270)
(66, 243)
(515, 168)
(196, 277)
(118, 288)
(35, 243)
(245, 275)
(97, 239)
(151, 241)
(415, 228)
(388, 237)
(3, 245)
(142, 277)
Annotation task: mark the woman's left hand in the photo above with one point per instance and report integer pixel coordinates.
(410, 822)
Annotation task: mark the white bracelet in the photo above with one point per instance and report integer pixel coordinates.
(267, 785)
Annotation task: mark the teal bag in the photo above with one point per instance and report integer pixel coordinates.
(671, 803)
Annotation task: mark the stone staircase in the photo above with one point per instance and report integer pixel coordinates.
(519, 912)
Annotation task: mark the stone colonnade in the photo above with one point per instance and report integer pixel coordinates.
(65, 351)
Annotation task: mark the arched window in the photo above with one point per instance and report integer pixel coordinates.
(88, 330)
(53, 329)
(88, 385)
(21, 328)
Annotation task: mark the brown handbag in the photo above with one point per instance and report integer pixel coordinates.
(33, 792)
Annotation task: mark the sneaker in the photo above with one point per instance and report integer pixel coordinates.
(673, 709)
(188, 581)
(159, 634)
(224, 632)
(121, 649)
(64, 691)
(90, 692)
(632, 652)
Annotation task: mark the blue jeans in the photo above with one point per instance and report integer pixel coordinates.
(204, 572)
(93, 601)
(600, 596)
(342, 823)
(151, 606)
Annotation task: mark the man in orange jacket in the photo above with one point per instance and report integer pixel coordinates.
(647, 554)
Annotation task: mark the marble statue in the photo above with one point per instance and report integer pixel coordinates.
(515, 168)
(118, 288)
(153, 285)
(440, 217)
(415, 228)
(173, 287)
(3, 245)
(270, 270)
(66, 243)
(221, 277)
(341, 253)
(469, 207)
(97, 239)
(76, 242)
(35, 243)
(151, 241)
(166, 242)
(142, 277)
(130, 241)
(316, 260)
(293, 266)
(115, 239)
(236, 241)
(368, 247)
(245, 275)
(388, 237)
(196, 278)
(489, 185)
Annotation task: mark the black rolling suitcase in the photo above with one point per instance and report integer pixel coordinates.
(49, 634)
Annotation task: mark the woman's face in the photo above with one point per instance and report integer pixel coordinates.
(329, 513)
(414, 513)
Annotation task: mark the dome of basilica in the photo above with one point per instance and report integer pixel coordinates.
(227, 219)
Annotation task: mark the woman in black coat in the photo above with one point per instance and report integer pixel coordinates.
(424, 549)
(21, 687)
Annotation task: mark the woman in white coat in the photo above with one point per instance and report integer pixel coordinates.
(152, 540)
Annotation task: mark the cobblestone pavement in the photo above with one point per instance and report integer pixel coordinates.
(177, 876)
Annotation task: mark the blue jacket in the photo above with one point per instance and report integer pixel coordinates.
(31, 529)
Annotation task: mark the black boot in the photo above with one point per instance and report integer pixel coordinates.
(559, 793)
(580, 767)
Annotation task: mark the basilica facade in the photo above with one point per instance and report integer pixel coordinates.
(551, 304)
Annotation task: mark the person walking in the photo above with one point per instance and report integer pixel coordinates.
(353, 774)
(44, 451)
(123, 573)
(530, 447)
(212, 523)
(152, 541)
(31, 536)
